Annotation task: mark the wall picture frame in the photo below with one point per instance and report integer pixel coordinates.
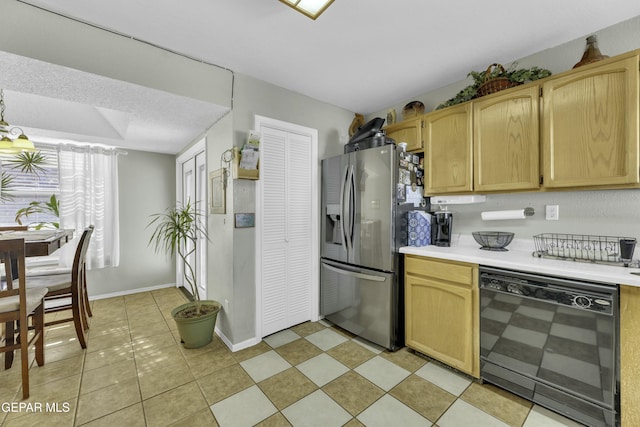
(245, 220)
(217, 192)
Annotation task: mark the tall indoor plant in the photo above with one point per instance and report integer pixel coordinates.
(175, 232)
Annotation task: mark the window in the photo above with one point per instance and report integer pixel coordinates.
(27, 187)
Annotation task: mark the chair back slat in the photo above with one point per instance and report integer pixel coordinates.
(12, 253)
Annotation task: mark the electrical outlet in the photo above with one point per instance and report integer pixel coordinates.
(552, 212)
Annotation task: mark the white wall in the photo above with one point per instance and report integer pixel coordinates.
(612, 212)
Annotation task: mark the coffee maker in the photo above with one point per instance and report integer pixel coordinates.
(441, 224)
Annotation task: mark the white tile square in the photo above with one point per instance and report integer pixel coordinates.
(444, 378)
(461, 413)
(382, 373)
(322, 369)
(542, 417)
(233, 412)
(265, 365)
(316, 410)
(326, 339)
(388, 411)
(281, 338)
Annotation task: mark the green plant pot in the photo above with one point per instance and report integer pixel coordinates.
(196, 331)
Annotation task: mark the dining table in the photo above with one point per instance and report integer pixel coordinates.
(40, 242)
(37, 242)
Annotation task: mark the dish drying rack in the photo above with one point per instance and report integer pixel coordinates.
(579, 247)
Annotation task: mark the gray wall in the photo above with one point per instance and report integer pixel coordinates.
(232, 256)
(146, 186)
(612, 212)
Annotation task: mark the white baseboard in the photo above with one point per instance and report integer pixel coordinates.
(131, 292)
(236, 347)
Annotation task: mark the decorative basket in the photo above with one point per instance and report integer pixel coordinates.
(496, 84)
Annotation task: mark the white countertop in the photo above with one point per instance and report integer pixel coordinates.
(520, 257)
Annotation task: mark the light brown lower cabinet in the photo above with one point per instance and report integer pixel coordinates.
(441, 311)
(630, 355)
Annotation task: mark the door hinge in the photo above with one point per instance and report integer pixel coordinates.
(541, 91)
(541, 179)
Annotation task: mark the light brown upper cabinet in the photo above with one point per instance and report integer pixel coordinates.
(409, 131)
(506, 141)
(448, 150)
(590, 125)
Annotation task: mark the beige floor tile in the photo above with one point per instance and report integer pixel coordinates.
(350, 354)
(202, 418)
(142, 330)
(159, 357)
(131, 416)
(215, 344)
(275, 420)
(42, 418)
(355, 423)
(298, 351)
(308, 328)
(287, 387)
(55, 371)
(100, 329)
(140, 317)
(163, 377)
(113, 339)
(209, 362)
(353, 392)
(64, 392)
(405, 358)
(220, 385)
(423, 397)
(108, 356)
(503, 405)
(146, 345)
(107, 400)
(107, 375)
(55, 351)
(174, 405)
(251, 352)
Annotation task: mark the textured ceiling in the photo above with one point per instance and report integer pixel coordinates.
(362, 55)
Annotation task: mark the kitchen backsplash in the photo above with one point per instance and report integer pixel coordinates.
(602, 212)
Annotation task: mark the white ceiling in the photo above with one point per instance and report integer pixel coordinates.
(362, 55)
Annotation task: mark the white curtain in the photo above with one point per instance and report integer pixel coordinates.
(89, 196)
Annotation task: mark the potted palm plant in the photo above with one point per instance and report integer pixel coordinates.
(175, 232)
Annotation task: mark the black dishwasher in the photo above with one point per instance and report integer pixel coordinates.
(552, 341)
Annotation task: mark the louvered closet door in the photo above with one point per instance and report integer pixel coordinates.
(286, 229)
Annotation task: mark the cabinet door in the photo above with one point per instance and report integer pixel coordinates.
(590, 126)
(409, 131)
(439, 321)
(506, 141)
(448, 151)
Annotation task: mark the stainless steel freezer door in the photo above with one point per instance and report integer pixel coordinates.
(374, 195)
(361, 301)
(333, 238)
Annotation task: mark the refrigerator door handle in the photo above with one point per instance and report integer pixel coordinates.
(352, 205)
(354, 273)
(343, 210)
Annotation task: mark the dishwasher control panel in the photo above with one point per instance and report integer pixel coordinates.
(583, 295)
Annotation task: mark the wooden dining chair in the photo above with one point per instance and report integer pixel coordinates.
(70, 286)
(18, 303)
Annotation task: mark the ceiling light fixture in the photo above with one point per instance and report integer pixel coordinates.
(7, 145)
(310, 8)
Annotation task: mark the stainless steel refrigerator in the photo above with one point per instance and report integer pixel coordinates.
(359, 275)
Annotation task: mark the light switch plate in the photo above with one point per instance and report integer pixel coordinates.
(552, 212)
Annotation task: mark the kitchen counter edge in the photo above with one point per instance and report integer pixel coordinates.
(522, 260)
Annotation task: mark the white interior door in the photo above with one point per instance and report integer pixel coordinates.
(192, 188)
(201, 206)
(287, 278)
